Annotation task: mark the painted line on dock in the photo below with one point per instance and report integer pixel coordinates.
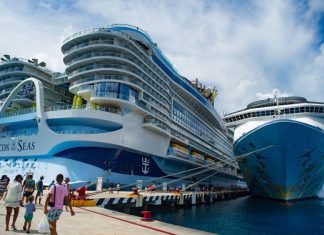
(131, 222)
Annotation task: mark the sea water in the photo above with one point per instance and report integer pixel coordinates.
(249, 215)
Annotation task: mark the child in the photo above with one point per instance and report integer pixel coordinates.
(30, 208)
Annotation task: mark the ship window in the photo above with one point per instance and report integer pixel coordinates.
(268, 113)
(321, 110)
(253, 114)
(297, 110)
(272, 112)
(316, 109)
(311, 109)
(292, 110)
(302, 109)
(307, 109)
(262, 113)
(124, 91)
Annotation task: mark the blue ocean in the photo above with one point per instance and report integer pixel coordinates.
(250, 216)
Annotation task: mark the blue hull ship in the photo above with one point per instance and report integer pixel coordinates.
(281, 155)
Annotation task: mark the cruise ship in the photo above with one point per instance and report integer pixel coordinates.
(120, 111)
(279, 145)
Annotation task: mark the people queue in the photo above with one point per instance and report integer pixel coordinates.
(17, 192)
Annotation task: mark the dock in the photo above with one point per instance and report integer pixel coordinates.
(100, 220)
(97, 221)
(144, 199)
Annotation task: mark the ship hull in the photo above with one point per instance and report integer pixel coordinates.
(116, 165)
(282, 159)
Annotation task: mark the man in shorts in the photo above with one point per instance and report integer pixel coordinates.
(29, 187)
(57, 194)
(40, 186)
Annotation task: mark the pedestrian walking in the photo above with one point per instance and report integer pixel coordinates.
(3, 185)
(30, 208)
(40, 187)
(51, 184)
(29, 187)
(68, 187)
(55, 199)
(13, 200)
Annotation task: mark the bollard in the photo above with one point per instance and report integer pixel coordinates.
(181, 199)
(139, 201)
(146, 216)
(194, 198)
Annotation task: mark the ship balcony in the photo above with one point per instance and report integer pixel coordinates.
(17, 115)
(116, 99)
(83, 107)
(23, 102)
(157, 126)
(10, 81)
(85, 91)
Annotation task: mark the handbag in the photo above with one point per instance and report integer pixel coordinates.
(52, 204)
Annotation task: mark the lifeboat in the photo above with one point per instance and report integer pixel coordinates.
(197, 155)
(179, 150)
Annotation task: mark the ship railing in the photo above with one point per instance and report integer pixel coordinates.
(73, 132)
(83, 107)
(7, 90)
(10, 135)
(156, 122)
(90, 42)
(84, 32)
(18, 112)
(11, 80)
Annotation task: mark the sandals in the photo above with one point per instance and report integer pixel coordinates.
(13, 227)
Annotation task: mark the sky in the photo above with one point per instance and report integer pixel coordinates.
(246, 49)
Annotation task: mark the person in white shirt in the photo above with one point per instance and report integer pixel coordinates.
(13, 200)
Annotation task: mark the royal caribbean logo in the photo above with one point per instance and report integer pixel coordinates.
(145, 165)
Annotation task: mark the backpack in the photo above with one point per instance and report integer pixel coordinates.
(30, 184)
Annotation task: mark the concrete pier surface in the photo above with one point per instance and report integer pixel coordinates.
(96, 221)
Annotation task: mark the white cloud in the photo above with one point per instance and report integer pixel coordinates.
(244, 48)
(276, 91)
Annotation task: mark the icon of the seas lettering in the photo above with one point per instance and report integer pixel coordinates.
(145, 165)
(4, 147)
(25, 145)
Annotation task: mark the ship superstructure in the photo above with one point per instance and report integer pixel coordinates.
(279, 145)
(132, 116)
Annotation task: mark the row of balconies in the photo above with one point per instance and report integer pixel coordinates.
(123, 64)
